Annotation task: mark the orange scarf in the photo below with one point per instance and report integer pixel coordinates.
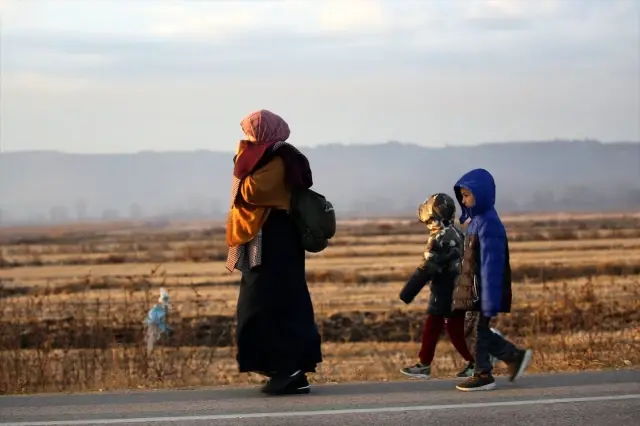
(258, 192)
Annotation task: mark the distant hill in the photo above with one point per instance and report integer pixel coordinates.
(389, 178)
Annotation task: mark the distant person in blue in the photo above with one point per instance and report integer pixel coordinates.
(485, 279)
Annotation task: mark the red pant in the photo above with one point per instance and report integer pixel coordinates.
(431, 334)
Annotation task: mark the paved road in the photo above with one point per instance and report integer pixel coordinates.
(593, 399)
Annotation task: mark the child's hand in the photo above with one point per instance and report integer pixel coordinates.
(415, 284)
(406, 297)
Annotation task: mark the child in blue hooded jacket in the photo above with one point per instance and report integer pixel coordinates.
(484, 284)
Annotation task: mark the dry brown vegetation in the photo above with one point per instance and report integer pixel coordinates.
(73, 300)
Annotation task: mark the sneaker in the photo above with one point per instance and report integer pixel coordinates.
(482, 382)
(467, 371)
(517, 368)
(293, 384)
(300, 386)
(418, 371)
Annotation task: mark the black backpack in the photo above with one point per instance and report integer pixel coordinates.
(315, 218)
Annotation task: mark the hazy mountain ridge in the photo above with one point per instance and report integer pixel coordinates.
(389, 178)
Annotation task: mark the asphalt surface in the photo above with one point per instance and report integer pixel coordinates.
(593, 399)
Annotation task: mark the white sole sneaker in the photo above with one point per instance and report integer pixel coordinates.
(487, 387)
(526, 360)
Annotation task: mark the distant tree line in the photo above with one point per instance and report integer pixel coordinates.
(579, 198)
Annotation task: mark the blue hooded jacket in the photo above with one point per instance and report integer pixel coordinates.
(486, 224)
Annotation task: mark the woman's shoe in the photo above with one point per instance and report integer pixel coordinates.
(290, 384)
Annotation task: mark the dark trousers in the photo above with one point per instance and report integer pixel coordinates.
(432, 330)
(488, 343)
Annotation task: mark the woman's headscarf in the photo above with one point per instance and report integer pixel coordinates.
(265, 127)
(263, 130)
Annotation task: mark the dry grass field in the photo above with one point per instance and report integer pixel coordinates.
(72, 301)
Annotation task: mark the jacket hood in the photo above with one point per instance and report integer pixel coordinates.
(482, 186)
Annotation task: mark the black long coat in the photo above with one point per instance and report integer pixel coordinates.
(276, 329)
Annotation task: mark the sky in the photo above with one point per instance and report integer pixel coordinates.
(106, 76)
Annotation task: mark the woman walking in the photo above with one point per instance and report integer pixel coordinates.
(276, 332)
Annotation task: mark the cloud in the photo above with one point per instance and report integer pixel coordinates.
(507, 9)
(46, 84)
(349, 16)
(213, 21)
(225, 20)
(5, 5)
(222, 21)
(197, 38)
(156, 72)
